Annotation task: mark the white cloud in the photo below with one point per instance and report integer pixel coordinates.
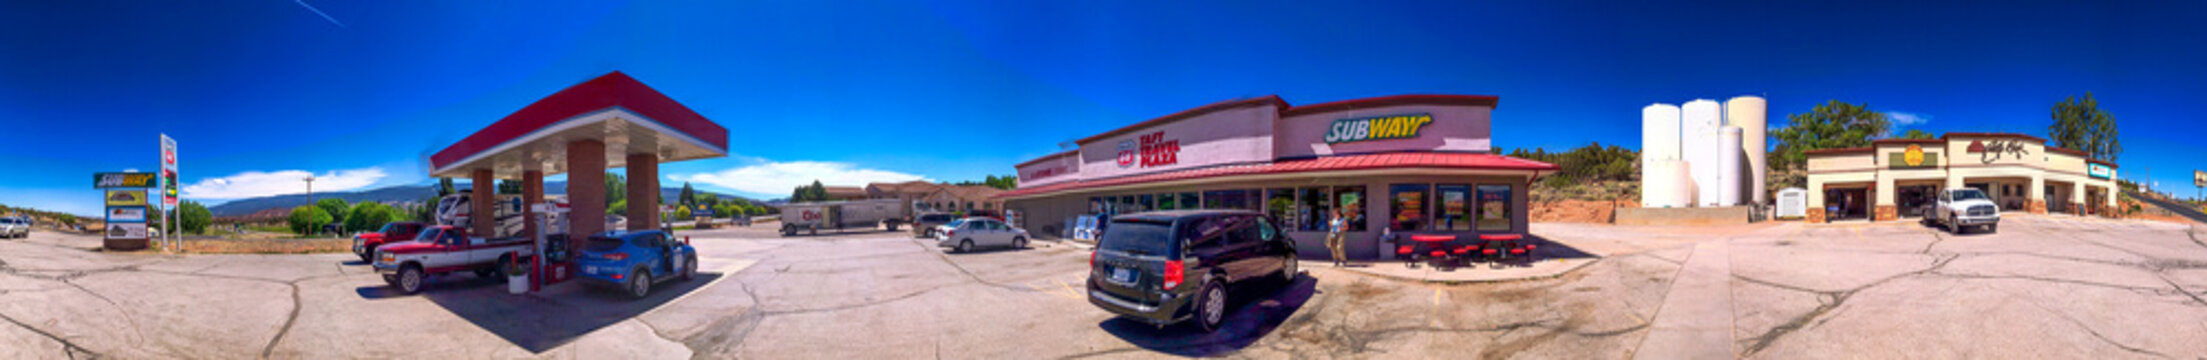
(1907, 119)
(771, 178)
(256, 184)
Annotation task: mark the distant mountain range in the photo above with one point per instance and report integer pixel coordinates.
(393, 194)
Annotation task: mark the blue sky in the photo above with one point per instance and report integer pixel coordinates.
(360, 92)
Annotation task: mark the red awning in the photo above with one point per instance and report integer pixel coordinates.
(626, 115)
(1414, 160)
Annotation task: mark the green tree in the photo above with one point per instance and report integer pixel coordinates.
(1832, 125)
(617, 207)
(305, 219)
(1918, 135)
(509, 187)
(2080, 125)
(334, 207)
(193, 217)
(681, 213)
(688, 197)
(427, 212)
(445, 187)
(369, 216)
(708, 200)
(616, 190)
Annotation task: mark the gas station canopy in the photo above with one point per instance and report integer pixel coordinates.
(624, 114)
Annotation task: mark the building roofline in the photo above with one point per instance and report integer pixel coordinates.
(1991, 135)
(1047, 157)
(1840, 151)
(1393, 100)
(1274, 100)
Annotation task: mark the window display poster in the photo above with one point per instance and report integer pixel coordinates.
(1494, 208)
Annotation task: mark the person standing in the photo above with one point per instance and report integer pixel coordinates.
(1333, 237)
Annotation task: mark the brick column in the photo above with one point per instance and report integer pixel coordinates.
(643, 191)
(585, 191)
(483, 199)
(532, 193)
(1814, 215)
(2035, 206)
(1887, 213)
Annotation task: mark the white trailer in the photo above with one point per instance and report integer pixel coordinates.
(457, 210)
(838, 215)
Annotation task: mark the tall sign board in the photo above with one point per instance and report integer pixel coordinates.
(125, 199)
(167, 189)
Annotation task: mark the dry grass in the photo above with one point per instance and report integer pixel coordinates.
(268, 246)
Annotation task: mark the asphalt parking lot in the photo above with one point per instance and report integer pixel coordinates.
(2043, 286)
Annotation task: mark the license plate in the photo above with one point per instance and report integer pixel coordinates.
(1122, 275)
(589, 270)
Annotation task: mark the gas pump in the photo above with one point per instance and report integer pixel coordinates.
(551, 239)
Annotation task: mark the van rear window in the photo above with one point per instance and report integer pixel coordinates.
(1139, 238)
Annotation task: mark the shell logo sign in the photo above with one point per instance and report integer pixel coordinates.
(1377, 128)
(1914, 156)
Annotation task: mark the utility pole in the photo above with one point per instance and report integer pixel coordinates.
(310, 189)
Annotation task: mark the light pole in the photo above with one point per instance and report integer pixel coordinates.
(310, 189)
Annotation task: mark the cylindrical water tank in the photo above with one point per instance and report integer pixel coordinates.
(1659, 132)
(1663, 184)
(1752, 115)
(1698, 147)
(1728, 166)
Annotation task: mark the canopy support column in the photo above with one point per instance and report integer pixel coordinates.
(643, 191)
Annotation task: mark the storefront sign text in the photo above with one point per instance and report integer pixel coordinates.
(1377, 128)
(1914, 157)
(1990, 151)
(122, 180)
(1151, 150)
(1044, 173)
(2098, 171)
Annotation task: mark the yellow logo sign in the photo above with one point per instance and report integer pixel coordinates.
(1377, 128)
(126, 198)
(1914, 156)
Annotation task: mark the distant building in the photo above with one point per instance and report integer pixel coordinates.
(1891, 179)
(955, 198)
(846, 193)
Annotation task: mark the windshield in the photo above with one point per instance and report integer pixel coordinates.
(1139, 238)
(391, 229)
(426, 234)
(1969, 194)
(954, 224)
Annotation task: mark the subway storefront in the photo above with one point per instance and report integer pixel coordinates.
(1409, 164)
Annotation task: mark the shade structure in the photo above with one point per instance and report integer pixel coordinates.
(615, 109)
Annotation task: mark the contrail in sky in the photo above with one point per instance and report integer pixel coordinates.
(303, 3)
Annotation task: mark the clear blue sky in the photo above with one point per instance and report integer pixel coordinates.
(359, 92)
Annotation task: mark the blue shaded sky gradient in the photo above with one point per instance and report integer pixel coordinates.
(955, 91)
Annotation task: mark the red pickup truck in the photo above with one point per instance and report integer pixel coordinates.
(444, 249)
(365, 244)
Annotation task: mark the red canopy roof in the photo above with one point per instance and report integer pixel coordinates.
(653, 113)
(1405, 160)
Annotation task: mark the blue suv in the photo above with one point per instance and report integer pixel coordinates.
(633, 260)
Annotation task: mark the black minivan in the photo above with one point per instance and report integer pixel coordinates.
(1166, 267)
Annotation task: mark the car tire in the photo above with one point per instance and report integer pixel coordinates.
(1019, 242)
(499, 273)
(1288, 269)
(1210, 310)
(368, 258)
(639, 284)
(1953, 227)
(689, 267)
(410, 279)
(965, 246)
(1992, 228)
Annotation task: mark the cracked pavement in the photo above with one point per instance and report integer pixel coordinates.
(2043, 286)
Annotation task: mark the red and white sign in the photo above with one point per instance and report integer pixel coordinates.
(1156, 151)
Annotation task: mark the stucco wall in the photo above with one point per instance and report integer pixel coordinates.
(1459, 128)
(1236, 135)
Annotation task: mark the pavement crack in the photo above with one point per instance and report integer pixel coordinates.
(2095, 332)
(969, 274)
(68, 347)
(288, 321)
(2180, 290)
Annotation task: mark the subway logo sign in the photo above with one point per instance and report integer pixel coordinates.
(1377, 128)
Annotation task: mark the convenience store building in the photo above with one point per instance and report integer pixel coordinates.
(1403, 164)
(1893, 179)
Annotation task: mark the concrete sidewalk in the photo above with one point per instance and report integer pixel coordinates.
(1695, 321)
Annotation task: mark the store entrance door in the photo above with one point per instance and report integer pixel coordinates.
(1913, 198)
(1847, 204)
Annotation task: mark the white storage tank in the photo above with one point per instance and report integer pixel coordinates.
(1663, 184)
(1728, 166)
(1752, 115)
(1659, 132)
(1698, 147)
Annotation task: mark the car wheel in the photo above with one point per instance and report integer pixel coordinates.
(409, 279)
(1019, 242)
(1210, 307)
(639, 284)
(1288, 270)
(499, 272)
(689, 267)
(367, 258)
(965, 246)
(1953, 227)
(1993, 228)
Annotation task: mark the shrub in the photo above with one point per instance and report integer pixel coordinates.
(306, 219)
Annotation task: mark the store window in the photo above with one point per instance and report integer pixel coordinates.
(1095, 205)
(1229, 199)
(1315, 209)
(1280, 205)
(1166, 202)
(1494, 208)
(1188, 200)
(1145, 202)
(1127, 205)
(1454, 212)
(1409, 207)
(1353, 202)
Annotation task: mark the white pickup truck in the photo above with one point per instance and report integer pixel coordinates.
(1960, 209)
